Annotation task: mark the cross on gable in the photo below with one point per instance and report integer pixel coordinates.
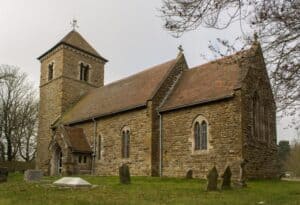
(74, 24)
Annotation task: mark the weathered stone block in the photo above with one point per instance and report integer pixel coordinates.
(124, 174)
(33, 175)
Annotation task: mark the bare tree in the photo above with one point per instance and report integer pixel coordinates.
(293, 160)
(277, 23)
(28, 129)
(17, 114)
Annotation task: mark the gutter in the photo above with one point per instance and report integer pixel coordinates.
(140, 106)
(197, 103)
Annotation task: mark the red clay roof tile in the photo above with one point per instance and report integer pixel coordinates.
(121, 95)
(208, 82)
(78, 140)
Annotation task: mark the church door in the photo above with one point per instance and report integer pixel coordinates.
(59, 163)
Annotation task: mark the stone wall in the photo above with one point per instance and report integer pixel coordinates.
(72, 59)
(224, 139)
(110, 129)
(260, 152)
(157, 100)
(49, 110)
(60, 93)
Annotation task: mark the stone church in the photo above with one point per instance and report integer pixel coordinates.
(163, 121)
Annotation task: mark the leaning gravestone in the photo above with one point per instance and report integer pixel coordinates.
(242, 180)
(124, 174)
(189, 174)
(212, 179)
(226, 184)
(33, 175)
(3, 174)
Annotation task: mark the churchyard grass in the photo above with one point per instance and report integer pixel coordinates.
(146, 190)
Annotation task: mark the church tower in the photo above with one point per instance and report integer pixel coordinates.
(68, 71)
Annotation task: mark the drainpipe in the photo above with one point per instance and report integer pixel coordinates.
(94, 146)
(160, 144)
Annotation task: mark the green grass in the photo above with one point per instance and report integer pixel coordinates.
(146, 190)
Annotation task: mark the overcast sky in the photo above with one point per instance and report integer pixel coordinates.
(130, 35)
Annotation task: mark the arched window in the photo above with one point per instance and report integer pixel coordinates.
(203, 135)
(200, 134)
(256, 116)
(84, 72)
(125, 143)
(50, 71)
(267, 125)
(197, 135)
(99, 147)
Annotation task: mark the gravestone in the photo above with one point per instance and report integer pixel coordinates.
(226, 184)
(33, 175)
(3, 174)
(189, 174)
(242, 180)
(212, 180)
(124, 174)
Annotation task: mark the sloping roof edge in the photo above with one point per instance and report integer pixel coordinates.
(197, 103)
(106, 114)
(181, 55)
(74, 47)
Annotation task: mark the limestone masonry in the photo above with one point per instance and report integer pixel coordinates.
(164, 121)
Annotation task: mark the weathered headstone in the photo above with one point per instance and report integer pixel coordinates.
(242, 173)
(33, 175)
(212, 179)
(242, 179)
(226, 184)
(3, 174)
(124, 174)
(189, 174)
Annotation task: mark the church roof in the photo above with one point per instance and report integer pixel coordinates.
(75, 40)
(128, 93)
(209, 82)
(76, 139)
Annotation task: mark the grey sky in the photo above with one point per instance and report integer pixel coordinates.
(128, 33)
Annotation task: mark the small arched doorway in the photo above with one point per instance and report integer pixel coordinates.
(57, 162)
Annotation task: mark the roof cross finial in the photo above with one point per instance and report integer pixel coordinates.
(74, 24)
(180, 49)
(255, 36)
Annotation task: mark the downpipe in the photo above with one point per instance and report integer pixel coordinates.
(160, 145)
(94, 147)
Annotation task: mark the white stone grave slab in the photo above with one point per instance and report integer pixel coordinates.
(72, 182)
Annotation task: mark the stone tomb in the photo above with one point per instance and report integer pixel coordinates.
(33, 175)
(72, 182)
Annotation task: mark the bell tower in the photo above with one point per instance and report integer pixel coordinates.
(69, 70)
